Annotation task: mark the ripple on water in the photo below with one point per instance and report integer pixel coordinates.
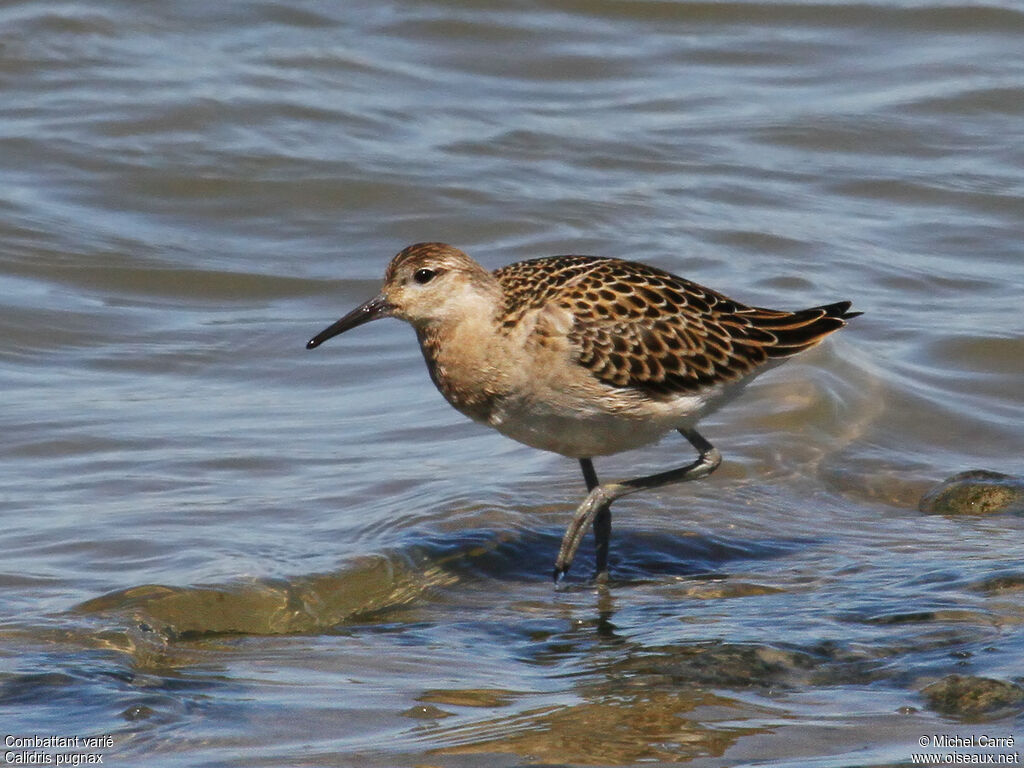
(276, 557)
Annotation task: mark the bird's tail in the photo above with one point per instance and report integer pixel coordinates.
(796, 331)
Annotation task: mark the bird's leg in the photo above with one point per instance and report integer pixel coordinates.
(602, 519)
(596, 508)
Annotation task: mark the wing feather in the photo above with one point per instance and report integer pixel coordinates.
(640, 327)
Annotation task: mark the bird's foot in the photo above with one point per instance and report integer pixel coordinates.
(599, 498)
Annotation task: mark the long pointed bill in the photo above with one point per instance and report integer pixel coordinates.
(376, 307)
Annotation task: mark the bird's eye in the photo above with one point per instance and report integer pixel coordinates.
(423, 276)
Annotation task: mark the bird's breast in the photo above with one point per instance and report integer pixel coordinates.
(469, 375)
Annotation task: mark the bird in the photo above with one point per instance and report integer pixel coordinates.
(585, 356)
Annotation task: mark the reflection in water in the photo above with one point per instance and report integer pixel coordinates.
(606, 728)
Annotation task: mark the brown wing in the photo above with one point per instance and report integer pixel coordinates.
(638, 326)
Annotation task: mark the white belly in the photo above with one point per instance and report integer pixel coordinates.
(587, 432)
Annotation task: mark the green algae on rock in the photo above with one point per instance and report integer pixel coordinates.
(975, 492)
(973, 697)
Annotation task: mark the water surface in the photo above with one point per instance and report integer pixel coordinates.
(222, 549)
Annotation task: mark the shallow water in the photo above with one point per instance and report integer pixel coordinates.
(221, 549)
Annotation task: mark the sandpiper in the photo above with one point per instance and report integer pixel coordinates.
(585, 356)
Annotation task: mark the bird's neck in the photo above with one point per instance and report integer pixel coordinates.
(465, 354)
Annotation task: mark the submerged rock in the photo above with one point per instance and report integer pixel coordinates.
(1000, 583)
(975, 492)
(972, 697)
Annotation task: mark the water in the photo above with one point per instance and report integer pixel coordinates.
(221, 549)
